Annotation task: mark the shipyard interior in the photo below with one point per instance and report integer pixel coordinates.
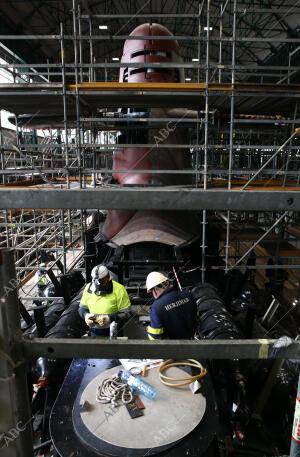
(149, 228)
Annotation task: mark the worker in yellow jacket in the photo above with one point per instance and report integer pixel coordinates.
(103, 301)
(41, 279)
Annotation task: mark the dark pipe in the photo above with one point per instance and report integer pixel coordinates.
(24, 313)
(40, 320)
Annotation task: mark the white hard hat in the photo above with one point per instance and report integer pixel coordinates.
(99, 272)
(42, 264)
(154, 279)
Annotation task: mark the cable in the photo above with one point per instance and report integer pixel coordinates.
(112, 390)
(176, 382)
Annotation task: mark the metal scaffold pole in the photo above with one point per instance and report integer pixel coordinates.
(289, 152)
(80, 44)
(63, 240)
(203, 247)
(66, 146)
(200, 6)
(91, 69)
(15, 424)
(227, 246)
(78, 124)
(222, 9)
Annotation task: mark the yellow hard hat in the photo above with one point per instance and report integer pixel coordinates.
(154, 279)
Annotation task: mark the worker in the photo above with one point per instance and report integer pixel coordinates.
(173, 314)
(103, 301)
(41, 280)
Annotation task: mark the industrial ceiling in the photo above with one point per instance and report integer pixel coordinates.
(275, 33)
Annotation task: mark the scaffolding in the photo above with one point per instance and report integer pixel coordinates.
(241, 123)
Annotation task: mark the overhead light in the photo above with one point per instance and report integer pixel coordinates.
(103, 27)
(195, 60)
(210, 28)
(188, 79)
(115, 58)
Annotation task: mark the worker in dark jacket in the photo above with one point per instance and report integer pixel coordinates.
(103, 301)
(173, 314)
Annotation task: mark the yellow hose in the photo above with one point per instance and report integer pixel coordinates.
(176, 382)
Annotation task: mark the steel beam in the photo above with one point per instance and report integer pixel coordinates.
(139, 16)
(149, 37)
(89, 171)
(172, 64)
(105, 147)
(179, 349)
(292, 10)
(151, 198)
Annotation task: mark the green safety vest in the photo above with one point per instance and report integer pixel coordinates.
(42, 279)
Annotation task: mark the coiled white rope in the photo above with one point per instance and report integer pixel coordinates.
(112, 390)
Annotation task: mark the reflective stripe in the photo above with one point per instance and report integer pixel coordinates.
(83, 306)
(155, 331)
(154, 337)
(41, 278)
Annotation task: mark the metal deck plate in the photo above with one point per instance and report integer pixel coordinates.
(173, 414)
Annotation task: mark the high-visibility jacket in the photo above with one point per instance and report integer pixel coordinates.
(41, 278)
(173, 315)
(111, 303)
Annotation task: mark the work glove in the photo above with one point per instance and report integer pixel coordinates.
(97, 320)
(89, 319)
(103, 320)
